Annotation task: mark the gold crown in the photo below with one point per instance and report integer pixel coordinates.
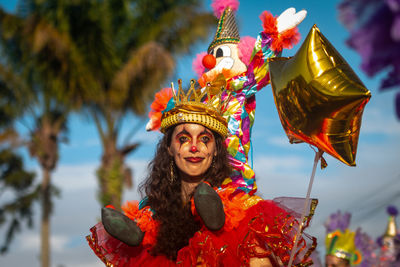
(189, 108)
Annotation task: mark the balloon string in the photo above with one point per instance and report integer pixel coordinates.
(316, 159)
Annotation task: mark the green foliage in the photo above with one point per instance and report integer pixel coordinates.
(18, 203)
(105, 58)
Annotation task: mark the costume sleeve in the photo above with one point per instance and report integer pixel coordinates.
(257, 75)
(270, 43)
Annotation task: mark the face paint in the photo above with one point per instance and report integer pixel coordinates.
(193, 148)
(333, 261)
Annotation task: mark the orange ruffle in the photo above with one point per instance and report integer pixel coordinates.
(282, 40)
(235, 206)
(144, 219)
(160, 102)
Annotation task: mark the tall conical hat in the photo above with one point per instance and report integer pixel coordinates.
(227, 31)
(391, 229)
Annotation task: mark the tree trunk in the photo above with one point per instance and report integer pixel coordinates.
(111, 176)
(45, 224)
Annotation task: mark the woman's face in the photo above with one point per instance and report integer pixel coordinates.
(333, 261)
(193, 148)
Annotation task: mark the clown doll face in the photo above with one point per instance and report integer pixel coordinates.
(391, 248)
(193, 148)
(227, 57)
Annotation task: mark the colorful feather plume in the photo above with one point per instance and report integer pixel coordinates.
(219, 6)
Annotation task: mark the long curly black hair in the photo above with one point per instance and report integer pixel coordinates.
(177, 224)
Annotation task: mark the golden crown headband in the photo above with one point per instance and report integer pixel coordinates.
(189, 108)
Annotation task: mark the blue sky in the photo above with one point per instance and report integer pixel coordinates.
(282, 169)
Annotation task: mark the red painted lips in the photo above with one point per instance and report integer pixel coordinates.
(194, 159)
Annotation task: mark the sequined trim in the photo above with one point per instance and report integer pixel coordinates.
(204, 119)
(93, 243)
(227, 31)
(278, 239)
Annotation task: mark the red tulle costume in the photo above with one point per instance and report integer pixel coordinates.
(254, 228)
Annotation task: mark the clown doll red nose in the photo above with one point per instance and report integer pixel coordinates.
(209, 61)
(193, 149)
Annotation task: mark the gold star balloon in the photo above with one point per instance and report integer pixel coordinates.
(320, 100)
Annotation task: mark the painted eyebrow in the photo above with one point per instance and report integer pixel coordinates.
(183, 132)
(205, 131)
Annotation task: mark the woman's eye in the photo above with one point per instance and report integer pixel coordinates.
(183, 139)
(205, 139)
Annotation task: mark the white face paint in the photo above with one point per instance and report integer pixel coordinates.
(225, 63)
(222, 51)
(227, 57)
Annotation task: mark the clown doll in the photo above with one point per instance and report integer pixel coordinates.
(244, 66)
(389, 242)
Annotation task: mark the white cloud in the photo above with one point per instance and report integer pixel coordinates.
(280, 141)
(75, 177)
(282, 164)
(378, 121)
(70, 177)
(31, 241)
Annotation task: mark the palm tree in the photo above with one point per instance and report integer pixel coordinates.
(103, 57)
(32, 51)
(128, 49)
(14, 179)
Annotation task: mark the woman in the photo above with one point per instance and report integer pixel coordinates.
(182, 162)
(189, 217)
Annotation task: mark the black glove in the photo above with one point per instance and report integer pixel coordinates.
(121, 227)
(209, 206)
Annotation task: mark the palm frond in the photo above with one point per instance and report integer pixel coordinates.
(140, 77)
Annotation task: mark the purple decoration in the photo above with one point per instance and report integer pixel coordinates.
(392, 210)
(366, 246)
(394, 5)
(374, 27)
(379, 241)
(266, 40)
(250, 80)
(246, 127)
(338, 221)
